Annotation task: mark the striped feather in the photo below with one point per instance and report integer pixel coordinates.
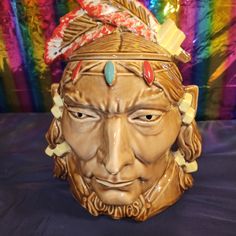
(138, 10)
(130, 15)
(72, 27)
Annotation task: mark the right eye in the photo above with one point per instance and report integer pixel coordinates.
(83, 115)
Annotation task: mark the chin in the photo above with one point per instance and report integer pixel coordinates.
(116, 197)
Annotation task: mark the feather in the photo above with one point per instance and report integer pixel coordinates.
(134, 17)
(55, 48)
(97, 18)
(76, 28)
(139, 11)
(127, 14)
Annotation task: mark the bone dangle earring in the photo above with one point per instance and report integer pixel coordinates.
(186, 109)
(188, 167)
(188, 115)
(57, 111)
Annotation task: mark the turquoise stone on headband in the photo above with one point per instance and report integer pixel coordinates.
(110, 73)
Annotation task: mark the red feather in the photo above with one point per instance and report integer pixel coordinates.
(121, 17)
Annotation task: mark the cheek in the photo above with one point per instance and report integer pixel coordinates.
(151, 147)
(84, 143)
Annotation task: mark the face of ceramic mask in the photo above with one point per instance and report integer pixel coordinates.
(120, 136)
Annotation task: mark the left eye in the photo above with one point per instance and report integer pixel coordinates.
(80, 115)
(148, 118)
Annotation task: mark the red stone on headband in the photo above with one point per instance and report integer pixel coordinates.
(148, 73)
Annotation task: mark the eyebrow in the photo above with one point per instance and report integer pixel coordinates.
(145, 101)
(150, 103)
(155, 106)
(73, 103)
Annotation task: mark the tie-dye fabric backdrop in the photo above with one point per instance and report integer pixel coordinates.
(210, 26)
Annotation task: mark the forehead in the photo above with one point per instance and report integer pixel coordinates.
(129, 91)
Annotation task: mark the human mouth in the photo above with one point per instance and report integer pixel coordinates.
(114, 184)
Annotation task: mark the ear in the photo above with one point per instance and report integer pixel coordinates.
(188, 104)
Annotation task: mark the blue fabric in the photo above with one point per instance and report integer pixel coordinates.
(33, 203)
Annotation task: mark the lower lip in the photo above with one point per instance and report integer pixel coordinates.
(114, 185)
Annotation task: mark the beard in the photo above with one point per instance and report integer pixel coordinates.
(164, 192)
(95, 206)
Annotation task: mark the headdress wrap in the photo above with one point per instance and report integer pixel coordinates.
(95, 19)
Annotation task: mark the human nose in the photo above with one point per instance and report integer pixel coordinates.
(118, 154)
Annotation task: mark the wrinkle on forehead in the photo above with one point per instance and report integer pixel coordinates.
(126, 95)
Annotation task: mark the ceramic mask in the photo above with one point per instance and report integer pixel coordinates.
(123, 132)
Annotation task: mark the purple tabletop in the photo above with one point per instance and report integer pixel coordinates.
(32, 202)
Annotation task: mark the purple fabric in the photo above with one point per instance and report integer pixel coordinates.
(33, 203)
